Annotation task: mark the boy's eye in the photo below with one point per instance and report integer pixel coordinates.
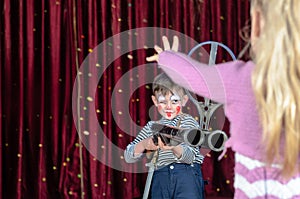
(162, 102)
(175, 101)
(166, 102)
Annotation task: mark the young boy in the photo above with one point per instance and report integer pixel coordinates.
(178, 168)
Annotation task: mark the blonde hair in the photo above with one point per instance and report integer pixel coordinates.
(276, 81)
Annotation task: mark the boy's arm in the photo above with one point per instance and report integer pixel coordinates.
(143, 141)
(183, 152)
(188, 153)
(178, 150)
(146, 144)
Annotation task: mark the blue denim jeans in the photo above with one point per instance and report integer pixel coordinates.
(178, 181)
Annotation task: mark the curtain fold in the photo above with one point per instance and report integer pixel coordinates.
(43, 44)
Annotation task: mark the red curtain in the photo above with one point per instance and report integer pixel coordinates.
(50, 123)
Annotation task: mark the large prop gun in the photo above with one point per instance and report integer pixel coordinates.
(172, 136)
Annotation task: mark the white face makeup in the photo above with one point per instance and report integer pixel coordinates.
(169, 106)
(175, 98)
(161, 99)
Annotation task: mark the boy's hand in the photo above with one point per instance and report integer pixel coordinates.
(163, 146)
(177, 150)
(148, 144)
(166, 45)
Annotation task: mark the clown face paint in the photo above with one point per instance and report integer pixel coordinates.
(169, 106)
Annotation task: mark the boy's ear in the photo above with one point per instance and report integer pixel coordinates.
(154, 100)
(185, 99)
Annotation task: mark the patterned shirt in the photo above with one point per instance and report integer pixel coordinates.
(165, 157)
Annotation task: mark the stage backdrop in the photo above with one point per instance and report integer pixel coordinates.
(45, 151)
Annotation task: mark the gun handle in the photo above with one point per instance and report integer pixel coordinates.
(149, 154)
(155, 139)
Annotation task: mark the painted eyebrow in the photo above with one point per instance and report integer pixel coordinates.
(174, 97)
(161, 98)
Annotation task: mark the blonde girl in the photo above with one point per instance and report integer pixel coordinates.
(261, 99)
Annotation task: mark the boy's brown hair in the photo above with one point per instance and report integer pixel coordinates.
(162, 84)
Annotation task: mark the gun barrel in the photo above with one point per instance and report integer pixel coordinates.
(172, 136)
(215, 140)
(193, 137)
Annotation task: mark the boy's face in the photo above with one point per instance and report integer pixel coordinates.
(170, 105)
